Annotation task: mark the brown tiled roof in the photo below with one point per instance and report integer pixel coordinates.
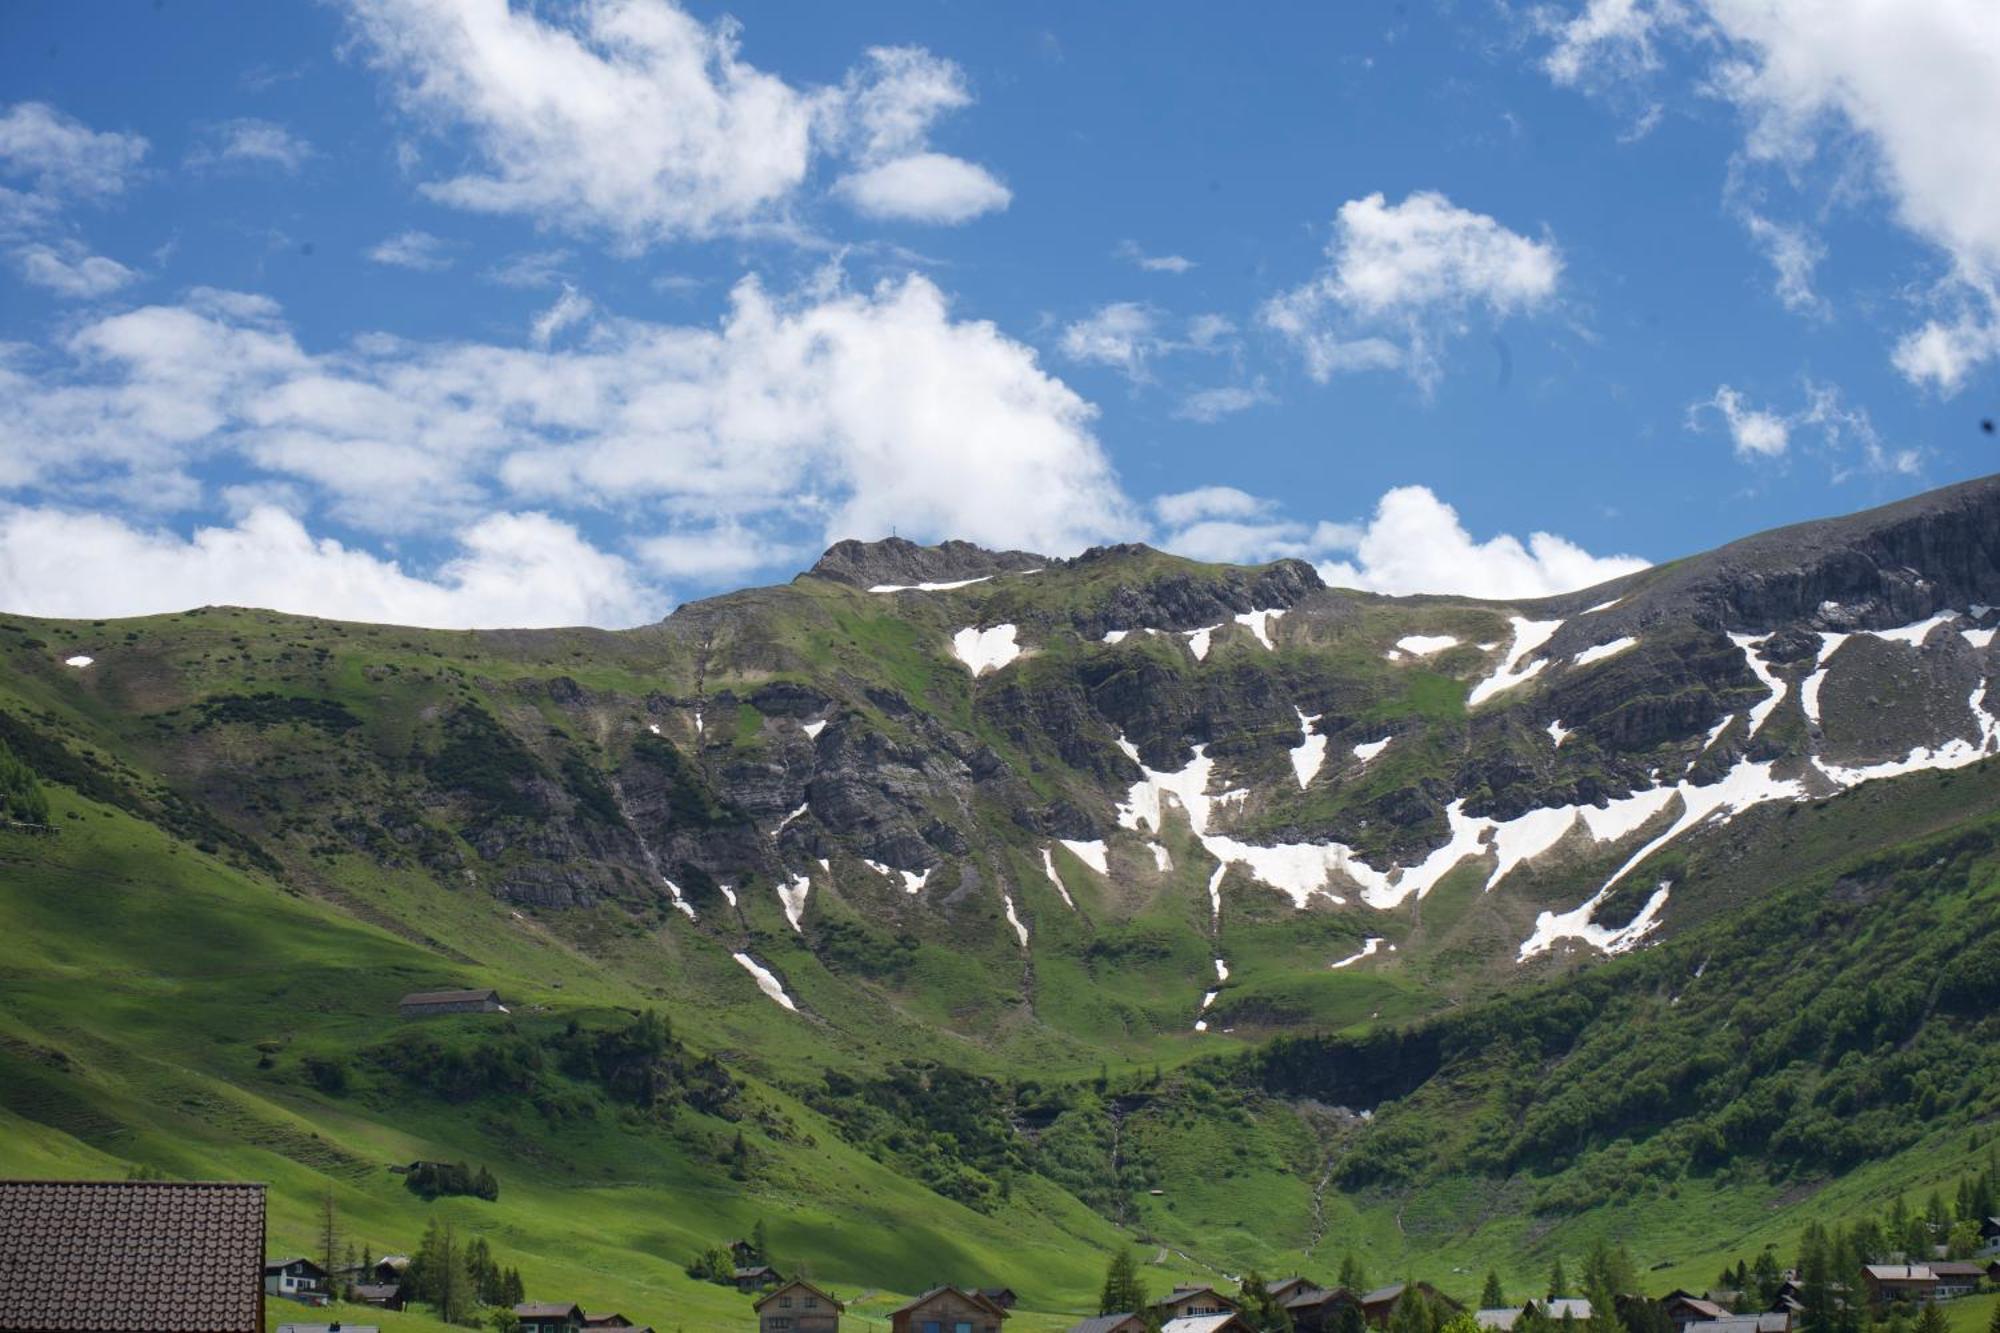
(546, 1310)
(140, 1256)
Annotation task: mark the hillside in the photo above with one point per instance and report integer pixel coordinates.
(991, 911)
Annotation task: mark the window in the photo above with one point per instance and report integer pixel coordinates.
(933, 1326)
(784, 1302)
(962, 1326)
(812, 1302)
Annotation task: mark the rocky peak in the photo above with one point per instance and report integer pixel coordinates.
(897, 560)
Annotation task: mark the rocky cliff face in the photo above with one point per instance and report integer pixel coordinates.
(1009, 757)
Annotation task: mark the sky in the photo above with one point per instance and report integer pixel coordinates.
(463, 313)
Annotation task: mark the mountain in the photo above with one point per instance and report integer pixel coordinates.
(986, 894)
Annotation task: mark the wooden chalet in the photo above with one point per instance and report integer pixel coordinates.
(1899, 1282)
(131, 1256)
(755, 1277)
(1003, 1297)
(1187, 1302)
(544, 1317)
(429, 1003)
(1957, 1278)
(798, 1307)
(295, 1279)
(1318, 1309)
(1378, 1307)
(947, 1310)
(1110, 1323)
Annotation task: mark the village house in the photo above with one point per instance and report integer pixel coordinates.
(295, 1279)
(1317, 1309)
(798, 1307)
(1110, 1323)
(1187, 1302)
(1558, 1308)
(1003, 1297)
(1989, 1238)
(1378, 1307)
(1770, 1322)
(947, 1310)
(540, 1317)
(1284, 1288)
(427, 1003)
(1956, 1278)
(381, 1295)
(755, 1277)
(1206, 1323)
(1899, 1282)
(131, 1256)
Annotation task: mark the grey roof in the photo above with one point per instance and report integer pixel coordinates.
(1574, 1306)
(1388, 1293)
(450, 996)
(1502, 1319)
(1778, 1322)
(1102, 1323)
(140, 1256)
(1900, 1272)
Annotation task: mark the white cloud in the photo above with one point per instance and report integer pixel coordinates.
(1410, 271)
(69, 270)
(1205, 502)
(569, 310)
(1212, 405)
(413, 249)
(532, 268)
(1753, 432)
(1416, 543)
(924, 187)
(1129, 250)
(1913, 87)
(62, 156)
(634, 118)
(250, 143)
(1794, 253)
(1123, 334)
(827, 414)
(507, 570)
(1845, 436)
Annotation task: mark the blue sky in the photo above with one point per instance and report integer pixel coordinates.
(460, 313)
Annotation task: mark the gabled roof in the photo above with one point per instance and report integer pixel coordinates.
(273, 1265)
(547, 1310)
(1574, 1306)
(376, 1291)
(1202, 1323)
(1706, 1308)
(1744, 1323)
(1958, 1268)
(140, 1256)
(605, 1320)
(1499, 1317)
(1107, 1323)
(796, 1284)
(967, 1293)
(1899, 1272)
(1381, 1294)
(450, 997)
(1182, 1293)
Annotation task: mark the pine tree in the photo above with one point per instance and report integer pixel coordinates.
(760, 1243)
(329, 1239)
(1932, 1320)
(1352, 1275)
(512, 1291)
(1123, 1292)
(1993, 1324)
(1260, 1309)
(1491, 1296)
(1558, 1281)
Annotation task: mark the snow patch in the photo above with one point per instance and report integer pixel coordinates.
(728, 894)
(1558, 733)
(1161, 861)
(680, 899)
(1049, 865)
(1764, 708)
(1914, 634)
(1198, 641)
(1369, 945)
(813, 729)
(1091, 853)
(985, 650)
(1423, 645)
(1116, 635)
(1215, 893)
(1978, 638)
(1603, 650)
(1014, 920)
(1829, 644)
(1221, 970)
(1369, 749)
(789, 818)
(913, 882)
(1576, 924)
(653, 727)
(929, 587)
(792, 894)
(765, 981)
(1260, 624)
(1528, 636)
(1603, 606)
(697, 722)
(1310, 752)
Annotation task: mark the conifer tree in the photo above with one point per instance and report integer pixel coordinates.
(1260, 1309)
(1123, 1292)
(1491, 1296)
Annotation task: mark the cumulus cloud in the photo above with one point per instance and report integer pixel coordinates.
(249, 143)
(1130, 335)
(1846, 437)
(1401, 277)
(413, 249)
(1882, 79)
(1416, 542)
(634, 118)
(809, 417)
(71, 271)
(64, 158)
(507, 569)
